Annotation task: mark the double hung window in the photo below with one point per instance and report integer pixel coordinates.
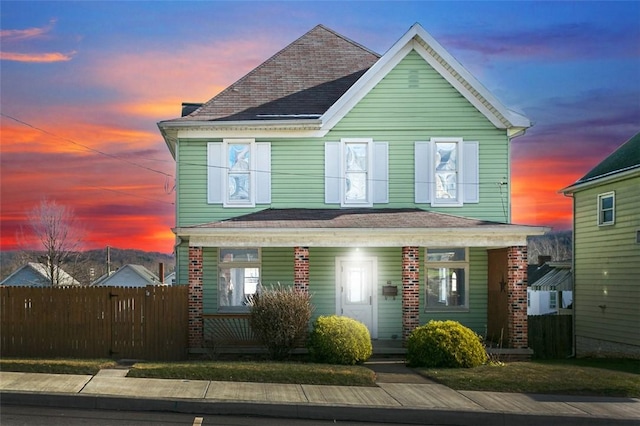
(447, 172)
(239, 172)
(356, 172)
(606, 208)
(447, 279)
(238, 277)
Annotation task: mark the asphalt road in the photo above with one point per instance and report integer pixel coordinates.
(12, 415)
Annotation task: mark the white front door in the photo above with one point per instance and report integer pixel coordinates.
(356, 280)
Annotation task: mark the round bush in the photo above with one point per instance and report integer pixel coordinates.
(339, 340)
(445, 344)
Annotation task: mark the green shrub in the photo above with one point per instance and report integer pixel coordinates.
(280, 318)
(445, 344)
(339, 340)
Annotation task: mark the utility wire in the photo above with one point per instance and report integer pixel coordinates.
(115, 157)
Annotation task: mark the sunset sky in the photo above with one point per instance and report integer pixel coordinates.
(83, 85)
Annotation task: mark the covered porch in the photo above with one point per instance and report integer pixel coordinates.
(402, 242)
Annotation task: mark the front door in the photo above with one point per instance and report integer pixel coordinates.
(356, 291)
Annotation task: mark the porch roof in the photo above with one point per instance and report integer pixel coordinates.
(368, 227)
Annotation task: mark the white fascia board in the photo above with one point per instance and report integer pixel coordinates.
(245, 129)
(416, 39)
(601, 180)
(370, 237)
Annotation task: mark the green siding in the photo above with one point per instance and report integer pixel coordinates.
(476, 317)
(607, 265)
(411, 103)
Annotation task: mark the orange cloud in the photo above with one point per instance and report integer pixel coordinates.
(37, 57)
(27, 33)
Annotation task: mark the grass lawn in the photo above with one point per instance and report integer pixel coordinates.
(598, 377)
(258, 371)
(55, 366)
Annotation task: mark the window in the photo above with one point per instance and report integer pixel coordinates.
(447, 279)
(238, 277)
(356, 172)
(606, 208)
(446, 172)
(239, 172)
(553, 300)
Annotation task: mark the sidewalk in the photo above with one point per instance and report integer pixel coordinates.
(396, 399)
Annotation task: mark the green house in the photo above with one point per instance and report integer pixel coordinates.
(377, 183)
(606, 229)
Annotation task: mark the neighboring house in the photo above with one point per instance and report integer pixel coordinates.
(606, 235)
(128, 276)
(170, 279)
(38, 275)
(341, 172)
(550, 289)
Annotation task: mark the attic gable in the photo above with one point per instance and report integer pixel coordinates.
(418, 40)
(301, 81)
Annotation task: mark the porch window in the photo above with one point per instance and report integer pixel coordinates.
(447, 279)
(606, 208)
(238, 278)
(553, 300)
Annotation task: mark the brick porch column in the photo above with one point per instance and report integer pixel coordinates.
(410, 290)
(517, 293)
(301, 269)
(196, 332)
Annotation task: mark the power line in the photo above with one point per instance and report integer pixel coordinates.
(115, 157)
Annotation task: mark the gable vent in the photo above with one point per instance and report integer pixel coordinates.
(414, 79)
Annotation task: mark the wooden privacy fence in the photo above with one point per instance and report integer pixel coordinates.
(551, 336)
(148, 323)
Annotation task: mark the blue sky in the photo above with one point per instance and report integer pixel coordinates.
(86, 79)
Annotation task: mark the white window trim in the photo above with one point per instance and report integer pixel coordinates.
(464, 264)
(252, 173)
(460, 178)
(237, 264)
(599, 221)
(343, 170)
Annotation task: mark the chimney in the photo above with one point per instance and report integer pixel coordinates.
(161, 272)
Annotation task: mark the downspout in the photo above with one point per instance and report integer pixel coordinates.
(573, 273)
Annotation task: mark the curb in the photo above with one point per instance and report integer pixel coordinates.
(415, 416)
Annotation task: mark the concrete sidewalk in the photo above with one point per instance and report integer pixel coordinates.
(411, 403)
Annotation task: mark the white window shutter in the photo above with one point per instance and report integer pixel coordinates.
(332, 172)
(470, 172)
(263, 173)
(423, 171)
(215, 173)
(380, 172)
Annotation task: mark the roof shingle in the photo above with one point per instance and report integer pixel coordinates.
(302, 80)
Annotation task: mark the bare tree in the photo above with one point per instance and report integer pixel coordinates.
(55, 228)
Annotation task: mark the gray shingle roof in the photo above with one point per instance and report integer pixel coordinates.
(350, 218)
(301, 81)
(626, 157)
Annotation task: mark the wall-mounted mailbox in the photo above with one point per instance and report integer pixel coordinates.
(389, 291)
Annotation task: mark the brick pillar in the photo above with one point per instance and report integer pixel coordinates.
(410, 290)
(196, 331)
(517, 293)
(301, 269)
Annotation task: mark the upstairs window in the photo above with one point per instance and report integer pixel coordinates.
(238, 278)
(447, 274)
(446, 172)
(606, 209)
(356, 172)
(239, 173)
